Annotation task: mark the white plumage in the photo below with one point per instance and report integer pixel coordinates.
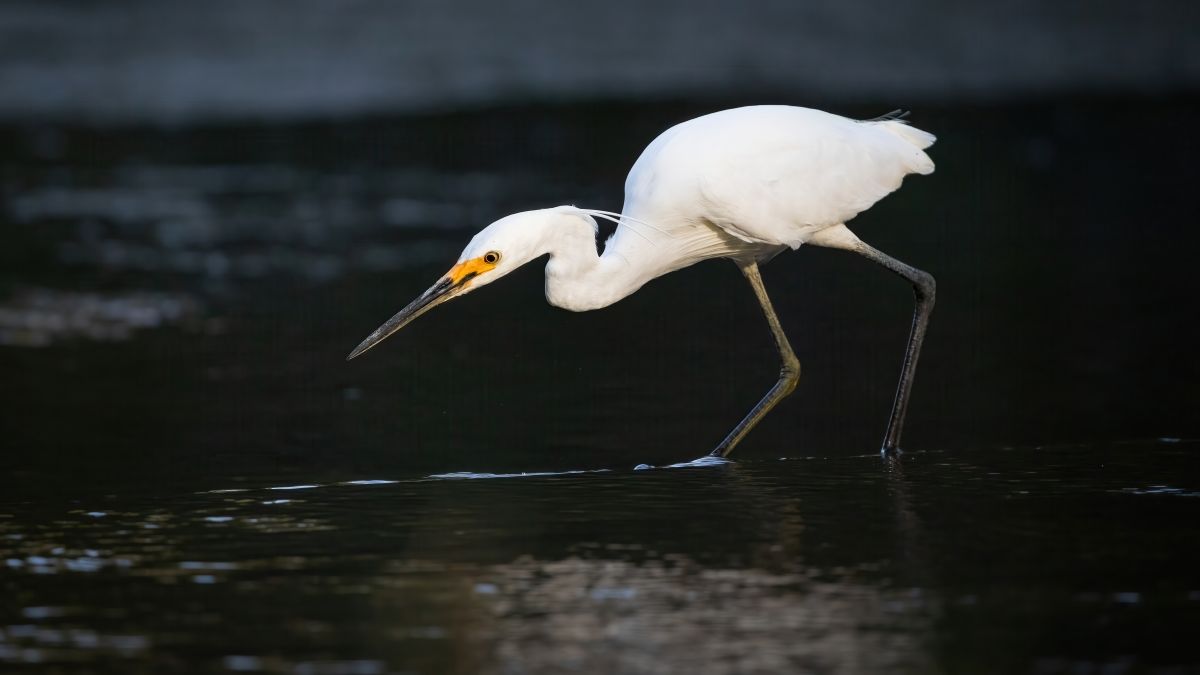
(768, 175)
(743, 184)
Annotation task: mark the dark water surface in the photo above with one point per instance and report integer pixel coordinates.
(1063, 559)
(194, 480)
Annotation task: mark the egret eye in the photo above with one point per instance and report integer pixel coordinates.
(491, 257)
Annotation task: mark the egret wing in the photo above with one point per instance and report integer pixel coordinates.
(774, 174)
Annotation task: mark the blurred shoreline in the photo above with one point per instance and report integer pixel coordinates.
(180, 63)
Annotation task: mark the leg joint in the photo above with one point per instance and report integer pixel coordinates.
(789, 373)
(924, 286)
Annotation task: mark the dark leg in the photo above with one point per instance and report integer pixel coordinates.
(789, 373)
(924, 289)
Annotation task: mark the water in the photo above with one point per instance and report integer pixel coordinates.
(193, 479)
(1064, 559)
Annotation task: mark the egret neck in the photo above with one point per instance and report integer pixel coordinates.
(580, 278)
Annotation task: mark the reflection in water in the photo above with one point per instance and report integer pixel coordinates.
(908, 527)
(747, 567)
(615, 616)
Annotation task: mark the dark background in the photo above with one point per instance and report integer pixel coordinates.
(206, 205)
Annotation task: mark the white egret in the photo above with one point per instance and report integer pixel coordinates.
(743, 184)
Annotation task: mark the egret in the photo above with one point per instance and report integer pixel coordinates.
(743, 184)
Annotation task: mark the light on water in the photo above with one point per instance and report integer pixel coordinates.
(468, 475)
(833, 563)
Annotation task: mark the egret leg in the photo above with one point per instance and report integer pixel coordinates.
(924, 291)
(789, 372)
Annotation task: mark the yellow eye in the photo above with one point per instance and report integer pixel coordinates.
(491, 257)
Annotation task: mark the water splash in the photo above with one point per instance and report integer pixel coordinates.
(470, 475)
(705, 461)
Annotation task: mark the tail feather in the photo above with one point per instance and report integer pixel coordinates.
(895, 124)
(919, 138)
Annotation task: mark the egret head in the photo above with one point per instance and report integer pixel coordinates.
(495, 251)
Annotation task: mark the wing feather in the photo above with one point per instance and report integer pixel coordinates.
(773, 175)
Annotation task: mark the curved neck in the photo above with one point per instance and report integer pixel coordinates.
(578, 278)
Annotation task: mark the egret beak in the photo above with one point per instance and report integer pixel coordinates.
(456, 282)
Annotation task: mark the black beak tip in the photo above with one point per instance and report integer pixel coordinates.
(414, 309)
